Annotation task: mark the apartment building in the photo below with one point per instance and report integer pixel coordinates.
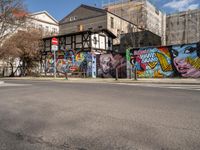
(44, 21)
(142, 13)
(90, 18)
(183, 27)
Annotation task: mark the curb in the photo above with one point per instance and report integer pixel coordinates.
(125, 82)
(140, 81)
(1, 82)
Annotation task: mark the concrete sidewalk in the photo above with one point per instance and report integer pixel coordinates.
(111, 80)
(1, 82)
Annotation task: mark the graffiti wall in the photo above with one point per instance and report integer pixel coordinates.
(108, 63)
(152, 62)
(168, 61)
(186, 59)
(70, 61)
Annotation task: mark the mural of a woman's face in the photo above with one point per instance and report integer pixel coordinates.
(106, 63)
(181, 55)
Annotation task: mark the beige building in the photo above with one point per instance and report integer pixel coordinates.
(88, 18)
(142, 13)
(39, 20)
(183, 27)
(43, 21)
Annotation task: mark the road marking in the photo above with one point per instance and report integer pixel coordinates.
(13, 85)
(169, 86)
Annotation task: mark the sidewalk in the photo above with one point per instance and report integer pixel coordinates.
(1, 82)
(112, 80)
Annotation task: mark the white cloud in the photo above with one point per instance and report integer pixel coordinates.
(193, 6)
(182, 5)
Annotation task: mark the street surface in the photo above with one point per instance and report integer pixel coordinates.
(50, 115)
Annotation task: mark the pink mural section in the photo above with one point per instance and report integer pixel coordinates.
(108, 63)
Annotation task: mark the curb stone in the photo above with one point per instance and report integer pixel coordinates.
(139, 81)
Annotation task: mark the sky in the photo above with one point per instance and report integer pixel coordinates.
(60, 8)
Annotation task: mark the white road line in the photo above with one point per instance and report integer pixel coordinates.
(11, 85)
(170, 86)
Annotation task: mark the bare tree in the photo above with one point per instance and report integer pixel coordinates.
(26, 47)
(12, 16)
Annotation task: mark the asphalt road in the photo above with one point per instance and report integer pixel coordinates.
(46, 115)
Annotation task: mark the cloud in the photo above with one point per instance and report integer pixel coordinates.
(182, 5)
(193, 6)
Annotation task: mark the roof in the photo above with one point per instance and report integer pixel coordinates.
(184, 12)
(93, 8)
(43, 12)
(82, 32)
(87, 7)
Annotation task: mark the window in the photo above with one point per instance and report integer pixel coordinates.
(109, 43)
(40, 26)
(95, 40)
(54, 30)
(80, 27)
(47, 28)
(71, 19)
(157, 12)
(112, 22)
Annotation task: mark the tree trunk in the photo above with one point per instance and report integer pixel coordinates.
(12, 72)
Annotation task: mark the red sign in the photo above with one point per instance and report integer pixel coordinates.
(73, 68)
(54, 41)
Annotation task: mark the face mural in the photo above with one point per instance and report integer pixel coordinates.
(186, 60)
(108, 64)
(152, 62)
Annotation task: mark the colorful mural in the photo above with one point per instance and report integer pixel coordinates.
(168, 61)
(152, 62)
(70, 61)
(108, 63)
(186, 60)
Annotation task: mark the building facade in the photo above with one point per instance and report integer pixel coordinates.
(90, 18)
(139, 39)
(76, 52)
(183, 27)
(44, 22)
(142, 13)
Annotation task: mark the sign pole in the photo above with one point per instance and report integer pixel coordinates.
(55, 64)
(54, 48)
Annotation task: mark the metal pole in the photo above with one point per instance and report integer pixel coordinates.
(116, 77)
(130, 71)
(66, 75)
(54, 64)
(135, 73)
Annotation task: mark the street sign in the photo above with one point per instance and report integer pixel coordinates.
(54, 47)
(54, 41)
